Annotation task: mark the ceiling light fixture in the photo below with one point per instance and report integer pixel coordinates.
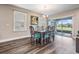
(45, 16)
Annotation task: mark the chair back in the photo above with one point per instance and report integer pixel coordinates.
(37, 35)
(31, 30)
(34, 34)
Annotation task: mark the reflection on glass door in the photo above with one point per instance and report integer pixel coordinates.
(64, 26)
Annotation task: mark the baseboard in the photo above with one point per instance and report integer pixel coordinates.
(16, 38)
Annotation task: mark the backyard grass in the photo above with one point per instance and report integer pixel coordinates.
(64, 28)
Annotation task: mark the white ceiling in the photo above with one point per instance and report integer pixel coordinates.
(48, 9)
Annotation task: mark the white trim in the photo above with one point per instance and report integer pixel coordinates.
(16, 38)
(24, 21)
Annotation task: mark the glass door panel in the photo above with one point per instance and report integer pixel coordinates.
(64, 27)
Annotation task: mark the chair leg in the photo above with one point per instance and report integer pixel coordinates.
(35, 41)
(47, 40)
(44, 41)
(31, 40)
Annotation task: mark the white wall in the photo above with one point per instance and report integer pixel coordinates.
(75, 19)
(6, 23)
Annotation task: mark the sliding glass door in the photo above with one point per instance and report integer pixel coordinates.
(64, 26)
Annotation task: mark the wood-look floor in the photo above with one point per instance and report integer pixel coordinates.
(31, 49)
(65, 45)
(61, 45)
(23, 46)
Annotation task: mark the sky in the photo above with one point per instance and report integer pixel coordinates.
(65, 21)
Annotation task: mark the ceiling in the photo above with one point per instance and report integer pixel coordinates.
(48, 9)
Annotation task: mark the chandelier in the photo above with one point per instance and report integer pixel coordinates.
(45, 16)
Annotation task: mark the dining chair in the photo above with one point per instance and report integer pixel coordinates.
(47, 37)
(32, 34)
(52, 32)
(35, 36)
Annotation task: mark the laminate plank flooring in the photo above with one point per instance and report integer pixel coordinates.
(28, 49)
(65, 45)
(61, 45)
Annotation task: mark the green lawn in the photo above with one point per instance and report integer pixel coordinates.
(64, 28)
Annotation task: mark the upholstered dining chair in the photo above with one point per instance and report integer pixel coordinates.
(32, 34)
(35, 36)
(47, 37)
(51, 29)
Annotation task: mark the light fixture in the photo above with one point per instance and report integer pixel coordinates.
(45, 16)
(45, 7)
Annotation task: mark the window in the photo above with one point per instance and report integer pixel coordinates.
(20, 21)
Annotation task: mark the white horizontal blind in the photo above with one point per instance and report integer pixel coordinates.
(20, 21)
